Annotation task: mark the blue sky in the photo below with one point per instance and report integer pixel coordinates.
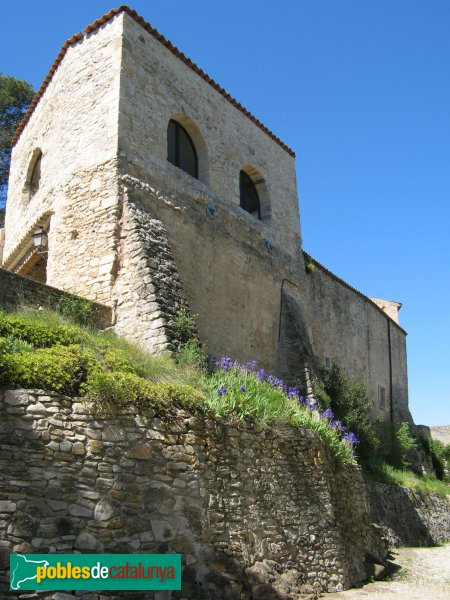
(361, 92)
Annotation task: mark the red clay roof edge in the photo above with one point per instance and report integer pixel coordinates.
(158, 36)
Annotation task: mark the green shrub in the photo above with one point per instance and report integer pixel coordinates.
(78, 310)
(309, 264)
(31, 326)
(380, 471)
(350, 405)
(183, 327)
(59, 368)
(119, 354)
(404, 442)
(115, 390)
(13, 344)
(439, 454)
(192, 354)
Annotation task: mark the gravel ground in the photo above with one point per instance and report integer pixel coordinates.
(424, 575)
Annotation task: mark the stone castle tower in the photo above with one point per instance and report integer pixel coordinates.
(157, 190)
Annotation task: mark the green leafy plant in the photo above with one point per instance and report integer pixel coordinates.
(310, 267)
(60, 368)
(404, 442)
(439, 454)
(192, 354)
(347, 399)
(114, 390)
(183, 326)
(32, 326)
(379, 470)
(78, 310)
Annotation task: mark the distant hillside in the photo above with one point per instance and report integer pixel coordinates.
(441, 433)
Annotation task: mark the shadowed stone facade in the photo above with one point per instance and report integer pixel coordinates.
(130, 230)
(255, 513)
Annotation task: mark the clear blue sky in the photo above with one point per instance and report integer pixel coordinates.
(361, 91)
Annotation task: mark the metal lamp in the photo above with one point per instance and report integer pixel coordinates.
(40, 239)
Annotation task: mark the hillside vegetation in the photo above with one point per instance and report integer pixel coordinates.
(42, 349)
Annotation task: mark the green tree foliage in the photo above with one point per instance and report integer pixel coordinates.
(15, 97)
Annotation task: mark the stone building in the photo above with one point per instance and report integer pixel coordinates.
(155, 189)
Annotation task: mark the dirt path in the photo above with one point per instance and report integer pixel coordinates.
(424, 575)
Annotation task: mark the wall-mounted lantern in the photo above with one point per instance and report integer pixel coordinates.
(40, 240)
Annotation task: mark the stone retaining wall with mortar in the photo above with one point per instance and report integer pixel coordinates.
(255, 513)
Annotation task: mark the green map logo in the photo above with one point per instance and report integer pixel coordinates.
(95, 572)
(24, 570)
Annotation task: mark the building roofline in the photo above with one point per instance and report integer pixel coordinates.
(165, 42)
(350, 287)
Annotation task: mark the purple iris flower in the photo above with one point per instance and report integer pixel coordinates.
(351, 438)
(328, 414)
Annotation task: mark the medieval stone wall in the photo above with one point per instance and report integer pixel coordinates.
(147, 291)
(335, 322)
(252, 511)
(75, 126)
(157, 86)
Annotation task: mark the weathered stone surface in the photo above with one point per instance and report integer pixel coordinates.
(104, 510)
(407, 517)
(86, 541)
(266, 523)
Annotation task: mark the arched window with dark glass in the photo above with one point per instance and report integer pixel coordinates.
(181, 151)
(249, 196)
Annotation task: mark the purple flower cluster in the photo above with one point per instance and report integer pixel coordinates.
(311, 404)
(328, 414)
(226, 364)
(351, 438)
(338, 426)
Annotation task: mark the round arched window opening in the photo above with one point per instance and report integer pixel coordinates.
(181, 151)
(249, 196)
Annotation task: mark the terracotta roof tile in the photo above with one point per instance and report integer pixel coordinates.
(134, 15)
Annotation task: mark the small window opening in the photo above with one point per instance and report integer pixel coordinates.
(35, 176)
(249, 196)
(381, 396)
(181, 151)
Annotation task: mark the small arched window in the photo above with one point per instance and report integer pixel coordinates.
(35, 175)
(181, 151)
(249, 196)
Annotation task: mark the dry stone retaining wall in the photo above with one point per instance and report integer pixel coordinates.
(255, 513)
(409, 517)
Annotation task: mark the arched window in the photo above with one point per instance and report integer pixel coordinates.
(249, 196)
(181, 151)
(35, 175)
